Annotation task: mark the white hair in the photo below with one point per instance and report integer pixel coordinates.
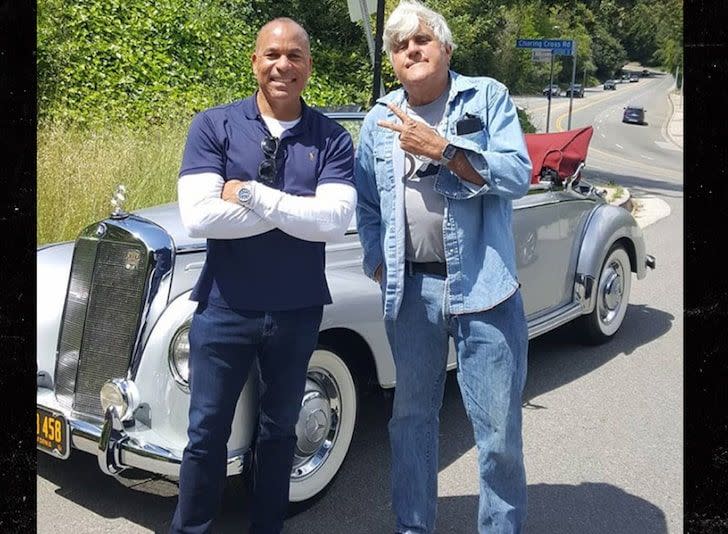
(405, 20)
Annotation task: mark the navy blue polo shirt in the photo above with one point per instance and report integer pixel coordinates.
(271, 271)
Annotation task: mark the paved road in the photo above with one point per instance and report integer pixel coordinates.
(602, 426)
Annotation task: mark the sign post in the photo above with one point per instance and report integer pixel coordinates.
(378, 89)
(573, 78)
(551, 82)
(557, 47)
(361, 10)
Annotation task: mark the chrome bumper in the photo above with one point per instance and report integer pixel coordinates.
(117, 450)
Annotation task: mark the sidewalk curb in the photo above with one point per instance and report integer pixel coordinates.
(671, 119)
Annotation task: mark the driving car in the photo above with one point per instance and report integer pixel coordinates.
(634, 115)
(625, 78)
(577, 89)
(610, 85)
(114, 313)
(634, 77)
(552, 90)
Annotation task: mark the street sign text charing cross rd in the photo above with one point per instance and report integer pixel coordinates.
(560, 47)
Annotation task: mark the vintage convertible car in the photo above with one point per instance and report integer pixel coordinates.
(114, 316)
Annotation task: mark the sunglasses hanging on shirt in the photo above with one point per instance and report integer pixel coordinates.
(268, 168)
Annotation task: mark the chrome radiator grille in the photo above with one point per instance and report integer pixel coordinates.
(101, 319)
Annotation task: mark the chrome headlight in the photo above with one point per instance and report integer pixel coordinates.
(122, 395)
(179, 357)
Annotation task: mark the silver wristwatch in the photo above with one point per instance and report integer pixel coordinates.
(245, 195)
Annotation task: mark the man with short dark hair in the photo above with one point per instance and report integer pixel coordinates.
(438, 165)
(267, 180)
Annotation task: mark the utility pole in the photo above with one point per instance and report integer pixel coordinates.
(682, 84)
(573, 77)
(378, 84)
(583, 81)
(677, 73)
(551, 82)
(376, 91)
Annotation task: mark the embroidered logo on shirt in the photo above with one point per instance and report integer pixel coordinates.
(312, 155)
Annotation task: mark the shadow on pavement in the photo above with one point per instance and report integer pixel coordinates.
(358, 500)
(636, 183)
(557, 358)
(590, 507)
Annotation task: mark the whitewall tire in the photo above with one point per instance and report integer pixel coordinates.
(612, 298)
(325, 425)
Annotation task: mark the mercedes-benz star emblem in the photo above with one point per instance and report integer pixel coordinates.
(316, 425)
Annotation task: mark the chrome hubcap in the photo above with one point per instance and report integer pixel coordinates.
(611, 291)
(318, 423)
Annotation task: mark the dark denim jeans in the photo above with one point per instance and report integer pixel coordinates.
(491, 350)
(223, 345)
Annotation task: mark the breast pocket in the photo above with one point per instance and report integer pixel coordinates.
(479, 137)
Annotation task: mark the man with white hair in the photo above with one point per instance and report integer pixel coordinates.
(439, 163)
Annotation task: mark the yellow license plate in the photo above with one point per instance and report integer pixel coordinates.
(51, 432)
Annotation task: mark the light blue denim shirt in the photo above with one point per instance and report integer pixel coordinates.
(479, 249)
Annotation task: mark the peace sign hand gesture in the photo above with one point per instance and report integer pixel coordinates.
(416, 137)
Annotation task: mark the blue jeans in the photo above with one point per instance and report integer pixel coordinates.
(491, 350)
(223, 345)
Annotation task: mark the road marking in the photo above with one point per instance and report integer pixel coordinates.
(619, 146)
(647, 157)
(603, 136)
(559, 127)
(611, 156)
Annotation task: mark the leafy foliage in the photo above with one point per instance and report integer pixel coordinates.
(136, 62)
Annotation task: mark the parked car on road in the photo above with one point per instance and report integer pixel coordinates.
(577, 89)
(552, 90)
(634, 114)
(625, 78)
(610, 85)
(634, 77)
(114, 317)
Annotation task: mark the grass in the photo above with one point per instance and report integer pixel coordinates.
(614, 191)
(78, 171)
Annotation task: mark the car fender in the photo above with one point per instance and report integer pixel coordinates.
(53, 271)
(607, 225)
(356, 310)
(164, 404)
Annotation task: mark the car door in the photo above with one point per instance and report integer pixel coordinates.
(547, 228)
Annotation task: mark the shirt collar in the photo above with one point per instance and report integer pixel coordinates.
(252, 112)
(458, 84)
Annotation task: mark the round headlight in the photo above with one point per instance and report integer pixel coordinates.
(179, 357)
(122, 395)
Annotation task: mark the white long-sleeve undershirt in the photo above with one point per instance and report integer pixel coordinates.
(322, 217)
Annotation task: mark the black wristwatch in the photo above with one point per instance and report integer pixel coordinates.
(448, 154)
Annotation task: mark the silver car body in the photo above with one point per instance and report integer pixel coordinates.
(563, 235)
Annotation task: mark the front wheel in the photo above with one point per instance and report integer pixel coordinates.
(612, 298)
(325, 424)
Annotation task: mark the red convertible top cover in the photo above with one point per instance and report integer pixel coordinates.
(559, 151)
